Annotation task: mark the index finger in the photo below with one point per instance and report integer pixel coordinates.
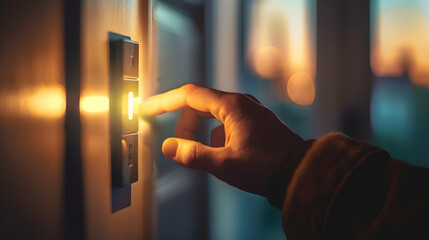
(200, 98)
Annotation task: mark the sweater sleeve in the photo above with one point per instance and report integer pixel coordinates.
(340, 188)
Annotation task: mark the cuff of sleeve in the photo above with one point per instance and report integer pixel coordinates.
(319, 178)
(277, 186)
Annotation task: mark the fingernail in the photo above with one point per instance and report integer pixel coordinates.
(169, 147)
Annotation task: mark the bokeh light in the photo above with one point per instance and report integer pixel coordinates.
(401, 39)
(301, 89)
(268, 62)
(281, 42)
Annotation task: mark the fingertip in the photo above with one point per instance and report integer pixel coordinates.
(145, 106)
(169, 147)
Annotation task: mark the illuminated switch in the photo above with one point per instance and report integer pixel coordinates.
(130, 102)
(124, 101)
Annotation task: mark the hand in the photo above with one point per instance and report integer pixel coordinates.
(246, 149)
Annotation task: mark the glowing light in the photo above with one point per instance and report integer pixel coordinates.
(130, 105)
(301, 88)
(268, 62)
(94, 104)
(137, 102)
(43, 101)
(124, 147)
(282, 41)
(48, 102)
(401, 40)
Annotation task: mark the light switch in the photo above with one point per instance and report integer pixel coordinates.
(124, 100)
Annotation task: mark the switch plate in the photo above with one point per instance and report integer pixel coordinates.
(124, 100)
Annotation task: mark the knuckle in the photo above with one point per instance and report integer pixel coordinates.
(190, 87)
(239, 100)
(191, 160)
(253, 98)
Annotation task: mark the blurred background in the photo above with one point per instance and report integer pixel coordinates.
(359, 67)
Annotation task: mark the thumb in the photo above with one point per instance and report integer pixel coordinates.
(190, 154)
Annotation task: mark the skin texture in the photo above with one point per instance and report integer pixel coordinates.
(245, 150)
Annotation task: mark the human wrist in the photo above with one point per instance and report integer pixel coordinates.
(276, 188)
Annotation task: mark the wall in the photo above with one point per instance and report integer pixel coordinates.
(42, 162)
(98, 18)
(31, 119)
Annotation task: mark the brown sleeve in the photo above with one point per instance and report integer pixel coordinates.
(345, 189)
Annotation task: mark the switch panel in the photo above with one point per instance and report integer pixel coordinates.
(124, 101)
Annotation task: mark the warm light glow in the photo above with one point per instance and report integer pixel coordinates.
(48, 102)
(280, 39)
(301, 89)
(401, 40)
(43, 101)
(94, 104)
(268, 62)
(130, 105)
(137, 102)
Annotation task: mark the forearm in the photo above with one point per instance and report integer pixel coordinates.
(347, 188)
